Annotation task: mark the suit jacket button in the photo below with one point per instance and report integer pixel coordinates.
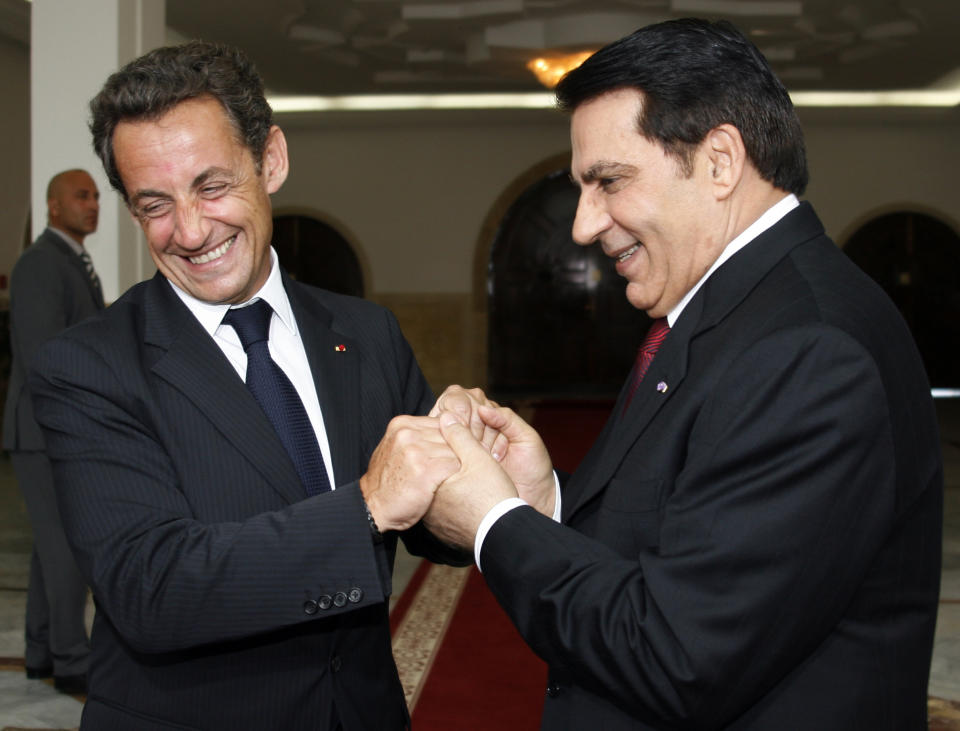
(336, 663)
(339, 599)
(310, 606)
(553, 690)
(355, 595)
(325, 601)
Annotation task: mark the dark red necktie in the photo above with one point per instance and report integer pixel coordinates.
(651, 343)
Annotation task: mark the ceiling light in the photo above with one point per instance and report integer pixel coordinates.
(892, 98)
(388, 102)
(549, 71)
(946, 94)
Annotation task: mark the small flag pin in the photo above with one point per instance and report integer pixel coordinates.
(340, 348)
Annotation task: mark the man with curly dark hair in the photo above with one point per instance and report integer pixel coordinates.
(211, 433)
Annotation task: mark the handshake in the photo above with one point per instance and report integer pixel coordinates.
(451, 467)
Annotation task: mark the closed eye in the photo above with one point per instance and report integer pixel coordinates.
(213, 190)
(153, 210)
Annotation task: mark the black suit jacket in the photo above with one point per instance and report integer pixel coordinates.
(226, 599)
(756, 543)
(49, 291)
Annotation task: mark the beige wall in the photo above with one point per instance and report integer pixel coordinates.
(419, 194)
(15, 170)
(865, 162)
(413, 189)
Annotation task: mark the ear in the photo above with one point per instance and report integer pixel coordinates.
(726, 156)
(276, 164)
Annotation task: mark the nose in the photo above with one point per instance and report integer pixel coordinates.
(191, 229)
(591, 219)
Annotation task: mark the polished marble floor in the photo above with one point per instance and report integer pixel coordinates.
(35, 704)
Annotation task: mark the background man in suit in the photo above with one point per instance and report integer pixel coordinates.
(53, 286)
(234, 588)
(754, 540)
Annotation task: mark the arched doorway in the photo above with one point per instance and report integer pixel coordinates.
(559, 322)
(916, 259)
(316, 253)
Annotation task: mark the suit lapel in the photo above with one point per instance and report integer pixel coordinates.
(194, 364)
(335, 363)
(726, 288)
(77, 263)
(661, 381)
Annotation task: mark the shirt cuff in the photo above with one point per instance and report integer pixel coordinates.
(499, 510)
(492, 516)
(556, 502)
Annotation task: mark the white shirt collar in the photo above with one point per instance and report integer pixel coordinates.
(211, 315)
(770, 217)
(71, 242)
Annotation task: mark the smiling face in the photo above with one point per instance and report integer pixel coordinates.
(194, 189)
(664, 228)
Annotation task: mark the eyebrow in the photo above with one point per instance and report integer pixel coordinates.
(605, 169)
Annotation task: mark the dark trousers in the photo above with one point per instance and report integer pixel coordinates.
(57, 595)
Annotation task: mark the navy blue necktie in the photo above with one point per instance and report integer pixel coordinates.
(277, 397)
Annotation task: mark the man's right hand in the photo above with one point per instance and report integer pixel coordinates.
(410, 462)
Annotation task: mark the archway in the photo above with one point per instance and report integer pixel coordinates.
(316, 253)
(916, 259)
(559, 322)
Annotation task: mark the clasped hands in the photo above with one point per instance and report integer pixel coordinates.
(451, 467)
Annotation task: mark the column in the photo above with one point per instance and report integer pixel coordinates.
(74, 47)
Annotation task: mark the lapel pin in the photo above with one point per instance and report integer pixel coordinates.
(339, 348)
(662, 387)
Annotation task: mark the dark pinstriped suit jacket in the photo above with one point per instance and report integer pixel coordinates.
(226, 599)
(756, 544)
(49, 291)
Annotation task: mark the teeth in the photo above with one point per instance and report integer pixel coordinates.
(628, 253)
(215, 254)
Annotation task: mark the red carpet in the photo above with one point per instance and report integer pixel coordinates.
(483, 676)
(569, 428)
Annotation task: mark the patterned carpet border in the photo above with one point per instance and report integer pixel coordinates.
(421, 630)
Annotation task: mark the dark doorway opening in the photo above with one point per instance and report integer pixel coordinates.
(314, 252)
(559, 323)
(916, 259)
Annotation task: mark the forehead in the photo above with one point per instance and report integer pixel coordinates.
(193, 131)
(606, 126)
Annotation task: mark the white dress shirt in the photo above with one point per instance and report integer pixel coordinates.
(768, 219)
(285, 343)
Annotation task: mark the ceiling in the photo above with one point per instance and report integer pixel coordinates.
(333, 47)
